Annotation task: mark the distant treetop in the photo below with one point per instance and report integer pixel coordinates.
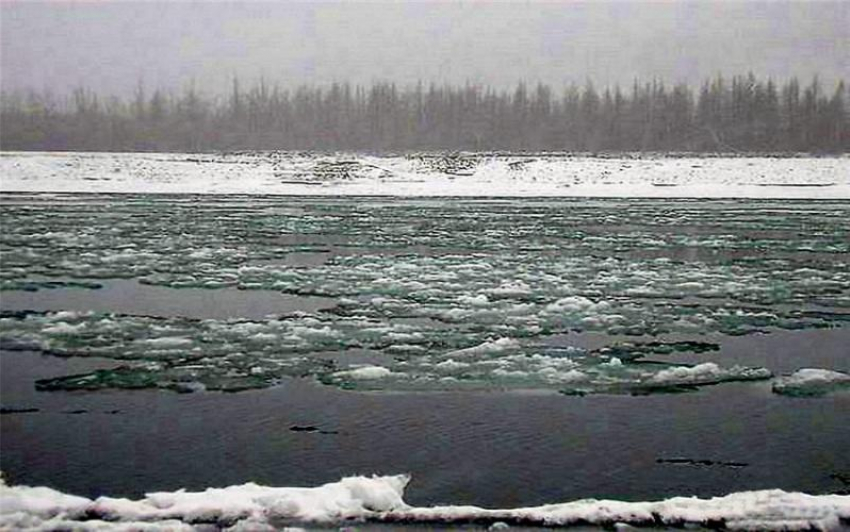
(739, 114)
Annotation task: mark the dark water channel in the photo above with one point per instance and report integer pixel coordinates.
(130, 297)
(492, 449)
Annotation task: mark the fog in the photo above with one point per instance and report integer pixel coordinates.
(111, 47)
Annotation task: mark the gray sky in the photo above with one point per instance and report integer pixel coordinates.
(110, 46)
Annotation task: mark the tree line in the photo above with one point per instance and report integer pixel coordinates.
(741, 113)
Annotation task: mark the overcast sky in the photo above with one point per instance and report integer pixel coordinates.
(110, 46)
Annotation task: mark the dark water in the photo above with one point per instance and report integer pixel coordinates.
(129, 297)
(491, 448)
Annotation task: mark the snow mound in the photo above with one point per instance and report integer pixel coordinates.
(38, 502)
(27, 508)
(380, 499)
(811, 381)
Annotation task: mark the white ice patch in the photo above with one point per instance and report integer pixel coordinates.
(489, 347)
(474, 301)
(365, 373)
(577, 304)
(811, 381)
(310, 334)
(707, 372)
(169, 342)
(451, 365)
(555, 376)
(380, 499)
(64, 328)
(510, 290)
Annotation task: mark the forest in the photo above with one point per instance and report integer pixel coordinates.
(737, 114)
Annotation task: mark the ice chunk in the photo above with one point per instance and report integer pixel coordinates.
(553, 375)
(513, 289)
(366, 373)
(475, 301)
(575, 304)
(707, 372)
(168, 342)
(62, 327)
(811, 382)
(451, 365)
(489, 347)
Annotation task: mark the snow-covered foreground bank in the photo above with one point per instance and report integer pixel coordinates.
(380, 499)
(505, 175)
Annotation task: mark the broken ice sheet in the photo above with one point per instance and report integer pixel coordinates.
(191, 355)
(175, 244)
(425, 287)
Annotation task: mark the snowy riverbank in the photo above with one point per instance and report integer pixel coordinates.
(465, 175)
(380, 499)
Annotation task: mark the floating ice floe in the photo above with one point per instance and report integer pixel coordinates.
(707, 372)
(812, 382)
(231, 355)
(528, 289)
(442, 294)
(380, 500)
(365, 373)
(488, 347)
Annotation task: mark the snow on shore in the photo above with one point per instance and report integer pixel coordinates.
(380, 499)
(465, 175)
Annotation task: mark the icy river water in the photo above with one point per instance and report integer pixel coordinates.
(504, 352)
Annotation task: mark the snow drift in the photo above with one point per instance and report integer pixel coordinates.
(380, 499)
